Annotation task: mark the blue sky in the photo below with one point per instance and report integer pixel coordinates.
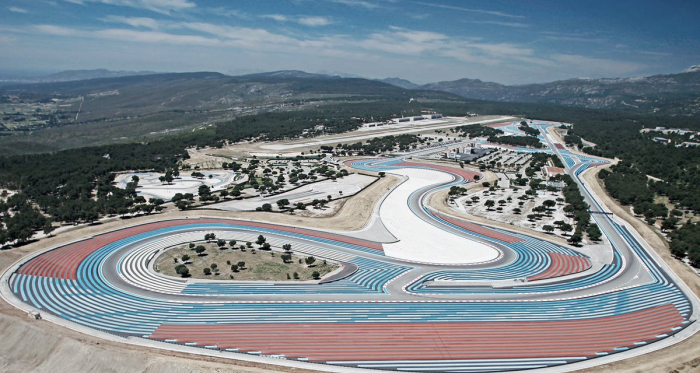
(511, 42)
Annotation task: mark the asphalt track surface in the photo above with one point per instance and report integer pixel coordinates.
(537, 306)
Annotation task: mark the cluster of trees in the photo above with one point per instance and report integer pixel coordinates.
(284, 125)
(572, 139)
(528, 130)
(674, 167)
(475, 130)
(576, 206)
(170, 175)
(686, 241)
(234, 166)
(20, 219)
(630, 186)
(380, 144)
(531, 142)
(76, 185)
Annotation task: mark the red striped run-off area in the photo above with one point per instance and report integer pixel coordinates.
(63, 262)
(562, 265)
(433, 341)
(480, 229)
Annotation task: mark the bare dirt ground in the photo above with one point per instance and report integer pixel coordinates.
(204, 159)
(260, 265)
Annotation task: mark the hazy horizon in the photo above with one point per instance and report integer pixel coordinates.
(505, 42)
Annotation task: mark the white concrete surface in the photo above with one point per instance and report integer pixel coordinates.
(150, 187)
(348, 185)
(419, 240)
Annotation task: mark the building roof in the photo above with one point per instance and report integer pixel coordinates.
(554, 170)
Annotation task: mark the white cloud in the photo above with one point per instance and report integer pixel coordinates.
(159, 6)
(276, 17)
(130, 35)
(226, 12)
(431, 44)
(7, 39)
(138, 22)
(312, 21)
(497, 23)
(57, 30)
(156, 37)
(15, 9)
(471, 10)
(357, 3)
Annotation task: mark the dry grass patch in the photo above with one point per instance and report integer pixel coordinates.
(260, 265)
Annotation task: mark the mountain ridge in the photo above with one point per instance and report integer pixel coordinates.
(671, 94)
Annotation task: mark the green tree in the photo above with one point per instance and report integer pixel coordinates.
(185, 258)
(594, 232)
(182, 270)
(566, 227)
(576, 238)
(309, 260)
(489, 204)
(207, 271)
(286, 258)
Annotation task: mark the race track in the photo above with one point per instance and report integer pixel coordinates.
(448, 296)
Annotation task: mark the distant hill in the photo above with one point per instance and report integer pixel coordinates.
(674, 94)
(398, 82)
(289, 74)
(108, 110)
(71, 75)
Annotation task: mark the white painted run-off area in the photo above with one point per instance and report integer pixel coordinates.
(419, 240)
